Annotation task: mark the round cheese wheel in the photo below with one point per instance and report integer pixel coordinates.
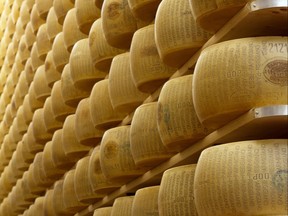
(60, 54)
(245, 78)
(27, 155)
(29, 4)
(42, 41)
(248, 176)
(51, 124)
(29, 72)
(124, 95)
(58, 202)
(70, 30)
(33, 144)
(72, 148)
(18, 33)
(15, 135)
(15, 11)
(30, 36)
(27, 110)
(116, 159)
(48, 203)
(51, 74)
(23, 51)
(146, 201)
(176, 196)
(146, 146)
(21, 124)
(101, 52)
(86, 14)
(83, 188)
(118, 23)
(70, 200)
(33, 102)
(24, 14)
(102, 113)
(22, 85)
(177, 122)
(20, 163)
(38, 206)
(97, 179)
(148, 71)
(10, 26)
(43, 7)
(59, 108)
(177, 36)
(53, 27)
(61, 8)
(41, 88)
(85, 131)
(32, 184)
(104, 211)
(35, 19)
(212, 15)
(10, 54)
(35, 60)
(144, 10)
(122, 206)
(83, 72)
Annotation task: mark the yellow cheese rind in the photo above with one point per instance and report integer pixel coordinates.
(51, 74)
(60, 54)
(246, 177)
(51, 124)
(53, 27)
(41, 88)
(144, 10)
(104, 211)
(61, 8)
(122, 206)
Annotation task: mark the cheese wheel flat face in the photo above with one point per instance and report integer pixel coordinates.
(177, 35)
(144, 9)
(176, 195)
(122, 206)
(235, 76)
(105, 211)
(243, 178)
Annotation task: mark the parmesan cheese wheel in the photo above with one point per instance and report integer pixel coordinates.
(29, 4)
(58, 202)
(176, 195)
(177, 36)
(86, 14)
(51, 124)
(212, 15)
(48, 203)
(85, 131)
(248, 177)
(32, 185)
(122, 206)
(104, 211)
(98, 181)
(35, 19)
(29, 72)
(246, 72)
(144, 9)
(28, 156)
(71, 95)
(41, 88)
(10, 55)
(146, 146)
(38, 206)
(22, 85)
(53, 27)
(118, 23)
(83, 72)
(70, 30)
(83, 188)
(15, 135)
(10, 27)
(42, 41)
(116, 159)
(59, 108)
(61, 8)
(20, 164)
(43, 7)
(33, 102)
(35, 60)
(124, 95)
(148, 71)
(27, 110)
(24, 14)
(30, 36)
(15, 11)
(102, 113)
(178, 124)
(146, 201)
(23, 51)
(60, 54)
(101, 52)
(21, 124)
(33, 145)
(18, 33)
(51, 74)
(70, 200)
(71, 147)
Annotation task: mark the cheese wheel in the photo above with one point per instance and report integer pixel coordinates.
(15, 11)
(148, 71)
(41, 88)
(33, 145)
(246, 72)
(15, 135)
(83, 72)
(118, 23)
(104, 211)
(59, 108)
(23, 51)
(85, 131)
(71, 95)
(35, 19)
(122, 206)
(144, 10)
(17, 194)
(35, 60)
(51, 74)
(42, 41)
(30, 36)
(28, 195)
(29, 72)
(20, 164)
(33, 102)
(10, 26)
(43, 7)
(248, 176)
(22, 85)
(38, 206)
(24, 14)
(61, 8)
(177, 36)
(124, 95)
(116, 160)
(70, 200)
(21, 124)
(71, 147)
(27, 110)
(70, 30)
(97, 179)
(146, 201)
(19, 32)
(48, 203)
(27, 155)
(60, 54)
(51, 124)
(10, 55)
(58, 202)
(86, 14)
(53, 27)
(32, 184)
(101, 52)
(83, 188)
(146, 146)
(102, 113)
(212, 15)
